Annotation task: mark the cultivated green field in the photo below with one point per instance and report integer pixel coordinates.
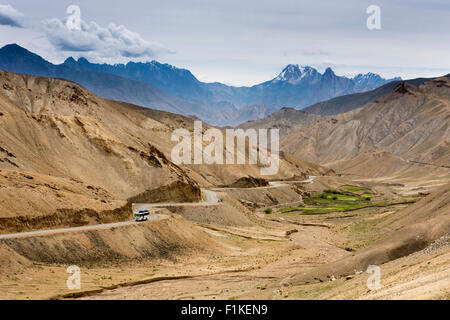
(336, 201)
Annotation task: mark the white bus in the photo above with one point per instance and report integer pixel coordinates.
(141, 215)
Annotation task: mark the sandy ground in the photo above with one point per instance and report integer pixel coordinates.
(422, 275)
(256, 258)
(265, 263)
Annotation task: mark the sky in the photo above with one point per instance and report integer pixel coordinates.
(239, 42)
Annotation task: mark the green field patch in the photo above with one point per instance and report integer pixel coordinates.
(367, 194)
(334, 197)
(327, 209)
(334, 201)
(286, 210)
(331, 200)
(355, 188)
(334, 208)
(342, 207)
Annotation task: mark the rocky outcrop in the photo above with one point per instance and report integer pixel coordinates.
(177, 191)
(248, 182)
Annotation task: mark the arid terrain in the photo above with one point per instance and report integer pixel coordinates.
(367, 187)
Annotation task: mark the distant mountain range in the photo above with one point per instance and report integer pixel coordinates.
(165, 87)
(410, 121)
(401, 123)
(288, 119)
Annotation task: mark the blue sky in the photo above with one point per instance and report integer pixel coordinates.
(240, 42)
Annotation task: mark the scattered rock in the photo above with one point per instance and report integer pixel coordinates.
(248, 182)
(178, 191)
(288, 232)
(250, 204)
(439, 243)
(7, 86)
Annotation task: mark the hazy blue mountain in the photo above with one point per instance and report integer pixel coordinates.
(299, 87)
(370, 81)
(288, 119)
(14, 58)
(295, 86)
(165, 87)
(176, 81)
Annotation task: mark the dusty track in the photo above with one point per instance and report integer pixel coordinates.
(211, 199)
(135, 206)
(84, 228)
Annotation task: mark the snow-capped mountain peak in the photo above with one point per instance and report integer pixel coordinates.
(370, 80)
(367, 76)
(293, 73)
(329, 72)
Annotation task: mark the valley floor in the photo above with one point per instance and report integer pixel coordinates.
(242, 261)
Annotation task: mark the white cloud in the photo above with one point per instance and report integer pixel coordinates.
(111, 42)
(10, 16)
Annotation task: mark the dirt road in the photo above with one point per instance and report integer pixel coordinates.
(210, 197)
(83, 228)
(280, 183)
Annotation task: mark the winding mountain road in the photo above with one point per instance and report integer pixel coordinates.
(72, 229)
(210, 199)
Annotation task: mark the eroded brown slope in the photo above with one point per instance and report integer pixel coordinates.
(58, 128)
(70, 158)
(410, 122)
(286, 120)
(64, 148)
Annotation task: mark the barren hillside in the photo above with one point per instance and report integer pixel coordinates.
(286, 119)
(64, 149)
(411, 123)
(410, 230)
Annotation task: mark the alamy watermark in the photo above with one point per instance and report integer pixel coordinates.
(374, 280)
(190, 150)
(374, 20)
(74, 280)
(73, 21)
